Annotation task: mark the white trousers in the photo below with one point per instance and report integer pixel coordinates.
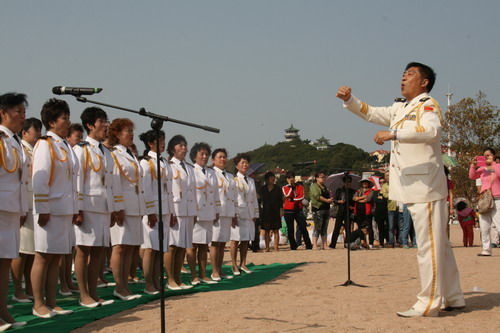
(439, 278)
(486, 221)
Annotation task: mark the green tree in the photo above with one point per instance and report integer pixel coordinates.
(471, 125)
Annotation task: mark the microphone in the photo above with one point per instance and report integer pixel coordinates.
(303, 163)
(75, 91)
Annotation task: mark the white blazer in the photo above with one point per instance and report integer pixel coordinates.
(183, 188)
(149, 169)
(95, 177)
(54, 175)
(416, 164)
(248, 206)
(14, 174)
(207, 194)
(129, 186)
(226, 188)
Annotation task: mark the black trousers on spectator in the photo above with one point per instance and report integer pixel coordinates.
(298, 217)
(340, 222)
(381, 218)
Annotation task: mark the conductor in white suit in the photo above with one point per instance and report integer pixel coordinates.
(418, 179)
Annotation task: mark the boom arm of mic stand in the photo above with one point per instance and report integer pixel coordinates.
(143, 112)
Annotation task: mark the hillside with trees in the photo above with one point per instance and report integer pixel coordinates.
(335, 158)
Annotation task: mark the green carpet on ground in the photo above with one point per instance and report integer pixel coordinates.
(83, 316)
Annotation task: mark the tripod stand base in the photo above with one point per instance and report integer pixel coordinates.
(351, 283)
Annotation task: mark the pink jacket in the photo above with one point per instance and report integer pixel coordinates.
(486, 178)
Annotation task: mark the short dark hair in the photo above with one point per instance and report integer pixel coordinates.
(490, 149)
(9, 100)
(199, 146)
(241, 156)
(52, 110)
(219, 150)
(29, 123)
(316, 174)
(90, 115)
(150, 137)
(174, 141)
(268, 175)
(461, 206)
(426, 72)
(75, 127)
(346, 178)
(290, 174)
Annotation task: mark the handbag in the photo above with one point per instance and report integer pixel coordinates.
(485, 202)
(334, 210)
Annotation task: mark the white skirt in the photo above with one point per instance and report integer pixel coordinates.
(202, 232)
(56, 236)
(28, 235)
(181, 234)
(94, 231)
(129, 233)
(244, 231)
(151, 240)
(221, 230)
(9, 235)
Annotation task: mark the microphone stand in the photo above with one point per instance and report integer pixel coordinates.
(348, 282)
(156, 125)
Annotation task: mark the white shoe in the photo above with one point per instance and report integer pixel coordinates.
(208, 281)
(173, 288)
(45, 316)
(91, 305)
(19, 324)
(412, 313)
(21, 300)
(65, 293)
(123, 298)
(186, 286)
(215, 279)
(62, 312)
(107, 302)
(5, 326)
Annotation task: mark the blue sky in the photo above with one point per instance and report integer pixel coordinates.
(250, 68)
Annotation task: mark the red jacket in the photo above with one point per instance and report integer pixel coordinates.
(292, 197)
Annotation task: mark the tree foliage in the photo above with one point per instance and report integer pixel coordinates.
(471, 125)
(335, 158)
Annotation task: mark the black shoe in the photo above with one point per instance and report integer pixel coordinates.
(453, 308)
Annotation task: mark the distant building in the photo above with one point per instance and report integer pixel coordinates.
(291, 134)
(380, 154)
(322, 143)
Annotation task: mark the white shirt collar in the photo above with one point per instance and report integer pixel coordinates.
(7, 131)
(92, 141)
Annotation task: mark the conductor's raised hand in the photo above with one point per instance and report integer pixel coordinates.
(344, 93)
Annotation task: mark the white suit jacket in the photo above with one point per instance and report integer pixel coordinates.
(248, 206)
(183, 188)
(129, 186)
(95, 177)
(54, 175)
(226, 187)
(207, 194)
(149, 167)
(14, 173)
(416, 164)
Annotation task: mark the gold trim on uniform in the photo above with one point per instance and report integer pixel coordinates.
(433, 252)
(364, 108)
